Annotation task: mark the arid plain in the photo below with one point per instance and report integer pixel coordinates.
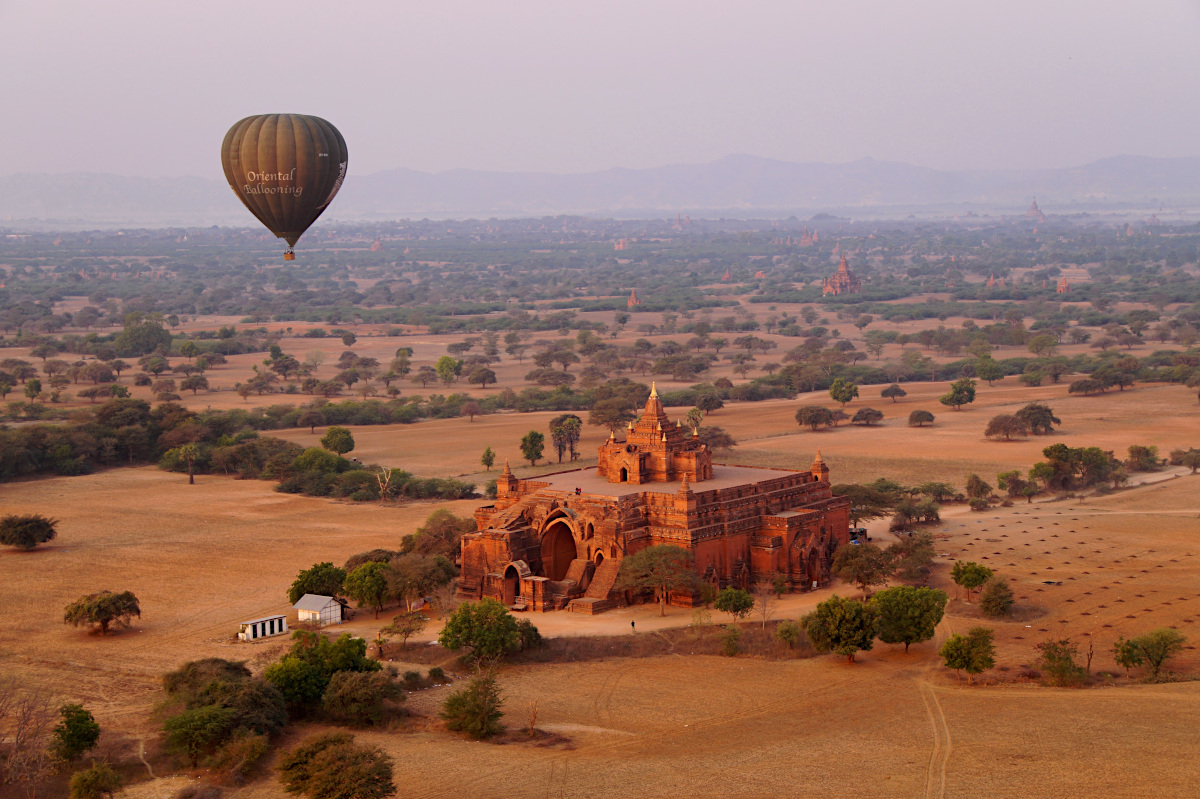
(202, 558)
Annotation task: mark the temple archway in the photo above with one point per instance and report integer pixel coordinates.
(512, 584)
(558, 550)
(624, 475)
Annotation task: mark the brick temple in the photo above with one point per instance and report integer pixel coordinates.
(843, 281)
(556, 541)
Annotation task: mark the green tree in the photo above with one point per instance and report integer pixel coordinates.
(864, 564)
(867, 416)
(338, 439)
(368, 585)
(1057, 661)
(485, 629)
(532, 445)
(26, 531)
(304, 672)
(842, 626)
(195, 732)
(414, 575)
(404, 626)
(996, 599)
(332, 766)
(814, 416)
(843, 391)
(448, 369)
(973, 653)
(310, 419)
(962, 392)
(866, 502)
(893, 392)
(1039, 418)
(98, 781)
(912, 556)
(987, 369)
(323, 579)
(1154, 648)
(488, 458)
(737, 602)
(908, 615)
(102, 609)
(976, 488)
(76, 732)
(565, 431)
(477, 708)
(611, 413)
(970, 575)
(663, 568)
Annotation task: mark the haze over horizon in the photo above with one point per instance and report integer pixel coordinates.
(149, 89)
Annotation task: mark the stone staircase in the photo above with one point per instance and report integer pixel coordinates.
(596, 598)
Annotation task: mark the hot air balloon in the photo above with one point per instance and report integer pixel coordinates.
(286, 168)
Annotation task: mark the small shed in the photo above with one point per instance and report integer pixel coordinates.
(320, 609)
(263, 628)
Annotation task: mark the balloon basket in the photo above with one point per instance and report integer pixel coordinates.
(289, 256)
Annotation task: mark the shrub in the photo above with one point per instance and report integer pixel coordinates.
(437, 675)
(485, 628)
(77, 732)
(198, 790)
(476, 709)
(1057, 660)
(729, 640)
(997, 597)
(235, 760)
(332, 766)
(361, 697)
(26, 531)
(96, 782)
(789, 633)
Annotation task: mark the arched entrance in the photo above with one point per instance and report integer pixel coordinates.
(624, 475)
(512, 584)
(599, 558)
(558, 550)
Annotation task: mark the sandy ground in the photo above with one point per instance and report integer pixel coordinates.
(204, 557)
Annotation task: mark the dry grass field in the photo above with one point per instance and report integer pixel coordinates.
(202, 558)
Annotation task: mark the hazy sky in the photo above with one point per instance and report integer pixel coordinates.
(150, 87)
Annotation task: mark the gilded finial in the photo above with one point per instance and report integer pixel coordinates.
(653, 388)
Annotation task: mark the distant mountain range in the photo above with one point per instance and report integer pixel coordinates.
(737, 185)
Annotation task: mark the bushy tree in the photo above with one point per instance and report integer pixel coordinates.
(842, 626)
(920, 418)
(533, 444)
(477, 708)
(485, 629)
(361, 697)
(814, 416)
(26, 531)
(1056, 658)
(866, 502)
(368, 585)
(302, 675)
(1006, 426)
(322, 579)
(198, 731)
(843, 391)
(863, 564)
(1039, 418)
(908, 615)
(332, 766)
(413, 575)
(338, 439)
(1154, 649)
(867, 416)
(962, 392)
(912, 557)
(970, 575)
(973, 653)
(76, 732)
(663, 568)
(102, 610)
(737, 602)
(996, 599)
(404, 626)
(893, 392)
(565, 431)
